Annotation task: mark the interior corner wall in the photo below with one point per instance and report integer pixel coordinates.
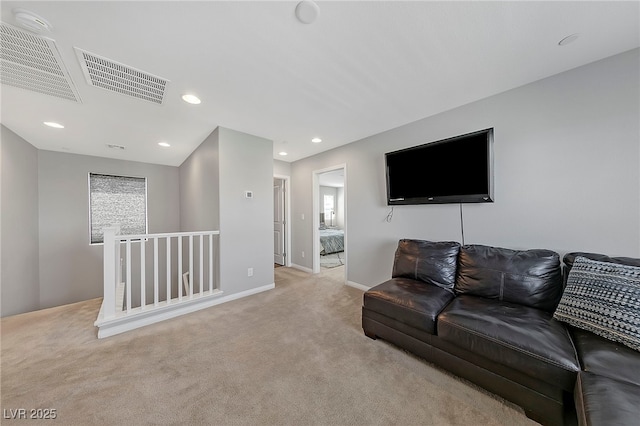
(20, 288)
(199, 188)
(246, 224)
(70, 267)
(281, 168)
(566, 168)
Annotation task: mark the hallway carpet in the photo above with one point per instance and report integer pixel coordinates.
(295, 355)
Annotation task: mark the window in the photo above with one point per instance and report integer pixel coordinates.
(117, 200)
(329, 205)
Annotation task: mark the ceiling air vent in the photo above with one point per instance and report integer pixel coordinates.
(32, 62)
(110, 75)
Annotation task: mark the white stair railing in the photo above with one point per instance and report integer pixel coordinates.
(149, 286)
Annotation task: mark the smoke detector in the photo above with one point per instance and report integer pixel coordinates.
(307, 11)
(31, 21)
(114, 146)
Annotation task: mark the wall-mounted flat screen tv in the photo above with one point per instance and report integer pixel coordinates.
(454, 170)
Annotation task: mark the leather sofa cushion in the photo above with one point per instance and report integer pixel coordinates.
(408, 301)
(431, 262)
(606, 358)
(525, 339)
(528, 277)
(604, 401)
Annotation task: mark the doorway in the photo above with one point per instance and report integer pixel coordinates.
(281, 228)
(329, 219)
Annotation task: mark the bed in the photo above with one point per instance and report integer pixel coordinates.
(331, 241)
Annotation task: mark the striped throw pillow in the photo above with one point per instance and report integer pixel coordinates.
(603, 298)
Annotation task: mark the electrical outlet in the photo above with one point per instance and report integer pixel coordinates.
(302, 254)
(302, 216)
(249, 272)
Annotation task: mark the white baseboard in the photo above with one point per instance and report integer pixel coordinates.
(302, 268)
(141, 318)
(358, 286)
(246, 293)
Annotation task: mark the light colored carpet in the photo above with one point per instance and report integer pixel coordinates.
(295, 355)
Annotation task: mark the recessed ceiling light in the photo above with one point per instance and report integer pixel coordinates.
(316, 140)
(191, 99)
(282, 153)
(164, 144)
(568, 39)
(53, 124)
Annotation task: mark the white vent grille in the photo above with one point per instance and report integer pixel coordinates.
(34, 63)
(119, 78)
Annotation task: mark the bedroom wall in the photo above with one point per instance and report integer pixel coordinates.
(19, 239)
(71, 268)
(328, 190)
(567, 161)
(340, 207)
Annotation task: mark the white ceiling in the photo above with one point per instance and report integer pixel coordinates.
(360, 69)
(334, 178)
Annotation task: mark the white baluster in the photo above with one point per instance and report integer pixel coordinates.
(210, 263)
(143, 278)
(128, 283)
(180, 268)
(201, 265)
(155, 271)
(168, 270)
(190, 266)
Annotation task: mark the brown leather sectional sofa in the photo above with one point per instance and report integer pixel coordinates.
(486, 314)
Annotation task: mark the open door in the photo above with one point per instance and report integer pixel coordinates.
(329, 218)
(278, 222)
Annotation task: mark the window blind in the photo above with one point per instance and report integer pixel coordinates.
(117, 200)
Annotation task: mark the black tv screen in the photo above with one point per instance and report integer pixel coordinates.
(454, 170)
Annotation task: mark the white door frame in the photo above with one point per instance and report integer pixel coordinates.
(316, 216)
(287, 218)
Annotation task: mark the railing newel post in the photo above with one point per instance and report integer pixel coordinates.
(111, 261)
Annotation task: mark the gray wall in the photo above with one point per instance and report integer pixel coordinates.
(246, 225)
(199, 187)
(567, 160)
(213, 182)
(20, 288)
(71, 268)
